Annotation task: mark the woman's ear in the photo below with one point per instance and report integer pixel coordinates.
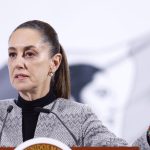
(55, 62)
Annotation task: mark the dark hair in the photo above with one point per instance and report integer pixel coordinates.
(61, 80)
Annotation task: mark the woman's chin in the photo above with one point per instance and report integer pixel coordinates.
(22, 89)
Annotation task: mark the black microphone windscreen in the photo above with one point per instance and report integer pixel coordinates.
(9, 109)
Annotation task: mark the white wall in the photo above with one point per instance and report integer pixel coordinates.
(86, 24)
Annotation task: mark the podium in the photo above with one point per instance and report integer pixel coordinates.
(81, 148)
(7, 148)
(52, 144)
(105, 148)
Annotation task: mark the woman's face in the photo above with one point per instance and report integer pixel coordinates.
(29, 61)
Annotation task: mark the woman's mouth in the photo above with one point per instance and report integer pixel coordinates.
(21, 76)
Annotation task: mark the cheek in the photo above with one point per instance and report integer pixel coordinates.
(40, 70)
(10, 69)
(10, 75)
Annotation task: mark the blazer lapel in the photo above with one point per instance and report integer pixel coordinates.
(46, 123)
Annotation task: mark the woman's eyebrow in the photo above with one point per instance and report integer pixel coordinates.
(24, 48)
(29, 47)
(11, 48)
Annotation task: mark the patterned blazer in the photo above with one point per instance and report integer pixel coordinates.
(79, 119)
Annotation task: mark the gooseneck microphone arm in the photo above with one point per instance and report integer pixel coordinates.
(9, 109)
(44, 110)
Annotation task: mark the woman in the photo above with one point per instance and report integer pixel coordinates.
(39, 71)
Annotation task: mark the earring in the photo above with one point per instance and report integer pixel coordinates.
(50, 74)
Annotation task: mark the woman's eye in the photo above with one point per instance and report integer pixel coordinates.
(12, 55)
(29, 54)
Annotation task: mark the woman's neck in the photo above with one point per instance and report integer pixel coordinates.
(40, 102)
(33, 95)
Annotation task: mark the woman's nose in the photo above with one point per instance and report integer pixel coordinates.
(19, 62)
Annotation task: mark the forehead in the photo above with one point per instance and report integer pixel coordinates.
(24, 37)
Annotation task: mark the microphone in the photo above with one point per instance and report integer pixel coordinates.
(44, 110)
(9, 109)
(148, 135)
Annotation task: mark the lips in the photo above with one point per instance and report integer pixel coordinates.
(21, 76)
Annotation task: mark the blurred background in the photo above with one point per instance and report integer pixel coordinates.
(108, 47)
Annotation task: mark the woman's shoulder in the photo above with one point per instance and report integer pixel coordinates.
(7, 101)
(70, 103)
(142, 142)
(71, 106)
(4, 105)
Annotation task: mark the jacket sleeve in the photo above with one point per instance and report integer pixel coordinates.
(95, 133)
(142, 142)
